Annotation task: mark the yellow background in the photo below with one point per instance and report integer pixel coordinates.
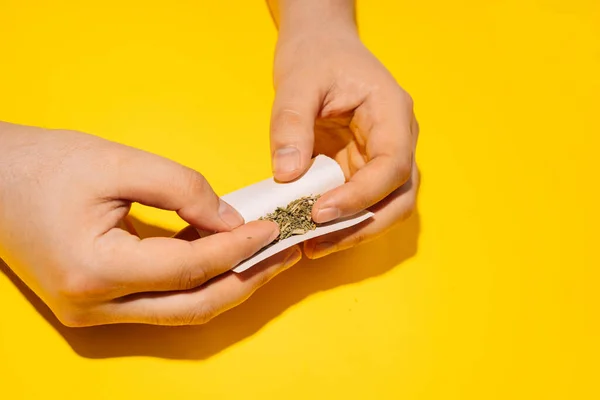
(489, 292)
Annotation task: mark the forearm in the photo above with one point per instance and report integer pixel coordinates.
(13, 141)
(7, 143)
(293, 16)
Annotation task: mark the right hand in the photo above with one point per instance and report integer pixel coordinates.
(63, 196)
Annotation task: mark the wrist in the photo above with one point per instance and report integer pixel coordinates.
(315, 18)
(9, 138)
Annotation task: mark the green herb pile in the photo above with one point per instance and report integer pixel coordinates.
(295, 218)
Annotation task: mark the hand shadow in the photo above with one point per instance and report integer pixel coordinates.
(201, 342)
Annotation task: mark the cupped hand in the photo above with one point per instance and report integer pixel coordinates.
(334, 97)
(63, 197)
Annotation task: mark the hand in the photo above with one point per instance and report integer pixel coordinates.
(63, 196)
(334, 97)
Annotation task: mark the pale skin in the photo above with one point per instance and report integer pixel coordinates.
(64, 195)
(334, 97)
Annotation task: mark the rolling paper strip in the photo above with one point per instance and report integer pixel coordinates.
(261, 198)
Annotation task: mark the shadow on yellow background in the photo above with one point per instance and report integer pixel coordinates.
(200, 342)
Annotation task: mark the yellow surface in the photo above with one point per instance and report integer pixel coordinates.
(490, 292)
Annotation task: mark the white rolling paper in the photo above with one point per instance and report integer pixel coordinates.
(257, 200)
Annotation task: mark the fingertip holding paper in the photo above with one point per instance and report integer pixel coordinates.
(258, 200)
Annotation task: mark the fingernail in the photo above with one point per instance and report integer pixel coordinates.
(327, 214)
(322, 249)
(286, 160)
(229, 215)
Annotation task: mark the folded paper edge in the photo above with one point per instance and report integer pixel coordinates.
(293, 240)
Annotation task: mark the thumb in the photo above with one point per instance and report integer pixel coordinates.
(292, 128)
(159, 182)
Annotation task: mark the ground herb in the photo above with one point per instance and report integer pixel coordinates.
(295, 218)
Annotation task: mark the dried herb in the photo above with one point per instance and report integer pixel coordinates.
(295, 218)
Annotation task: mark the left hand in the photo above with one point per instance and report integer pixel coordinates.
(334, 97)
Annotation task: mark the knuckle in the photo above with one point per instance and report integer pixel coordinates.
(202, 313)
(190, 279)
(408, 210)
(415, 127)
(285, 118)
(402, 170)
(354, 236)
(400, 217)
(195, 182)
(408, 100)
(359, 238)
(69, 320)
(80, 286)
(261, 280)
(76, 319)
(361, 200)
